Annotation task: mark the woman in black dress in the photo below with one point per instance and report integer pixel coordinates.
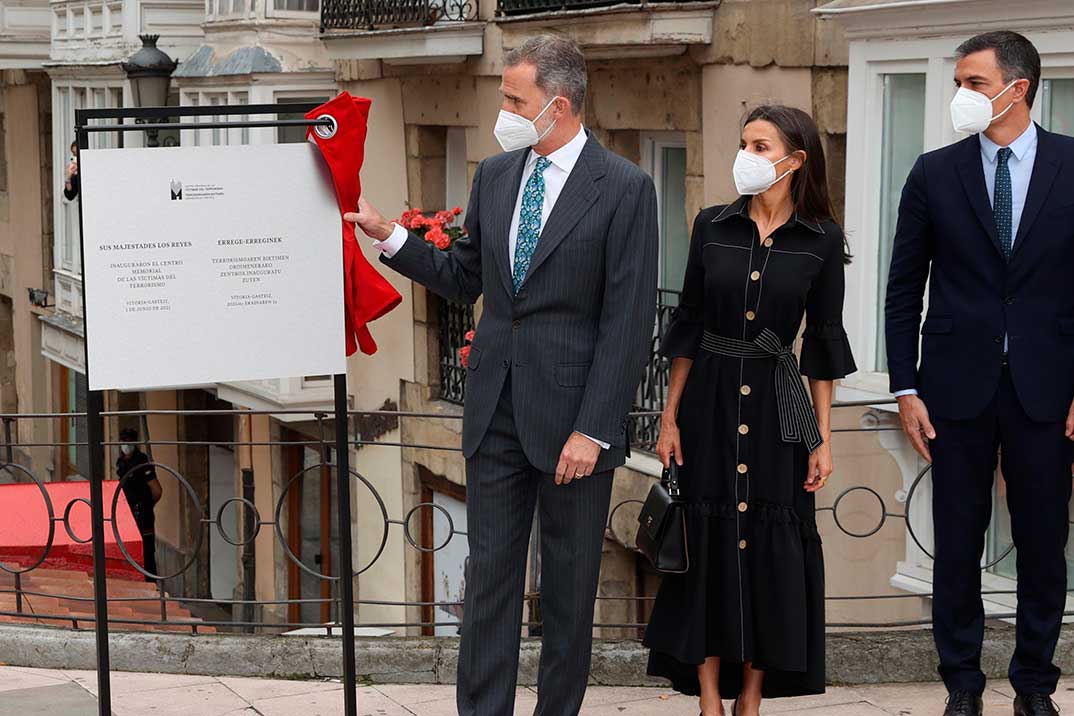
(747, 620)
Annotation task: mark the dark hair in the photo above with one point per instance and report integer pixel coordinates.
(1016, 56)
(809, 185)
(128, 434)
(560, 67)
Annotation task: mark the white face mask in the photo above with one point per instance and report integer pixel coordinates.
(126, 449)
(755, 174)
(513, 131)
(971, 112)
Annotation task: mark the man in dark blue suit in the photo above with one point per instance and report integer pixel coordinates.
(988, 222)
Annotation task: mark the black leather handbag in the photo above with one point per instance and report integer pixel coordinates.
(662, 525)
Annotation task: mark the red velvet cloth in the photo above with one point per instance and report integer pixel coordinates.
(25, 525)
(367, 294)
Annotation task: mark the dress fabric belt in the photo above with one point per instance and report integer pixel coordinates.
(797, 421)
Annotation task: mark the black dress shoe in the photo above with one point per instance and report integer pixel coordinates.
(1035, 705)
(964, 703)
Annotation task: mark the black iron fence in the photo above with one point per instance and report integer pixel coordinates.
(20, 599)
(387, 14)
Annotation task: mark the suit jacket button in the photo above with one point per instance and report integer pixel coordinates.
(516, 324)
(997, 339)
(506, 363)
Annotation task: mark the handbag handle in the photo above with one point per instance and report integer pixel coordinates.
(670, 478)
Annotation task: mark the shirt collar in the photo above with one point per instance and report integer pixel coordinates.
(1019, 147)
(566, 156)
(741, 208)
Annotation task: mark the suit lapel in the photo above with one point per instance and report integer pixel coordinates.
(505, 188)
(971, 172)
(579, 193)
(1045, 167)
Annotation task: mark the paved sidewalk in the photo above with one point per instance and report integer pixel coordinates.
(35, 692)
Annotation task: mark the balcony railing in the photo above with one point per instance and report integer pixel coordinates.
(653, 391)
(526, 7)
(453, 322)
(387, 14)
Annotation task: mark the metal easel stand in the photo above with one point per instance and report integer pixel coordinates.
(89, 121)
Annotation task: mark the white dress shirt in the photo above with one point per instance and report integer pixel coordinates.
(555, 177)
(1020, 165)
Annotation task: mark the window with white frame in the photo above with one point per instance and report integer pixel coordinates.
(663, 157)
(67, 98)
(229, 9)
(898, 97)
(293, 8)
(902, 141)
(215, 136)
(456, 171)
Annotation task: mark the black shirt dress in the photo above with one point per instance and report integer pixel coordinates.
(755, 588)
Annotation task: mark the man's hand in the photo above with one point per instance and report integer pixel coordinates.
(72, 169)
(370, 221)
(916, 424)
(577, 459)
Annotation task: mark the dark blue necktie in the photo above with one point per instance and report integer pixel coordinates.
(1001, 201)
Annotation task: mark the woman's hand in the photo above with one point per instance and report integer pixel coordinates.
(667, 445)
(820, 467)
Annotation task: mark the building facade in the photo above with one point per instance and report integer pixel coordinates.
(669, 86)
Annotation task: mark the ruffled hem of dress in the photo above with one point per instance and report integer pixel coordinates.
(761, 512)
(697, 614)
(826, 353)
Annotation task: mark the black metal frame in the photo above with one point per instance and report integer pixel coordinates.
(157, 118)
(453, 321)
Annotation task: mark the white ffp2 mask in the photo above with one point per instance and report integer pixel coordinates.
(513, 131)
(755, 174)
(971, 111)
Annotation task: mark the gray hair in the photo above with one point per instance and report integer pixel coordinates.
(560, 67)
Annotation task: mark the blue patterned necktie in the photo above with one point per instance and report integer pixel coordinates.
(529, 222)
(1001, 201)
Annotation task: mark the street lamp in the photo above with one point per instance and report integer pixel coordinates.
(150, 72)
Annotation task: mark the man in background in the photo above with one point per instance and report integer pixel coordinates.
(142, 490)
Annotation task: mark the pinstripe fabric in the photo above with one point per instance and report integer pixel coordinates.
(578, 334)
(502, 489)
(565, 354)
(797, 421)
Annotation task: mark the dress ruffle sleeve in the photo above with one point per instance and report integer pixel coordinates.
(826, 353)
(682, 339)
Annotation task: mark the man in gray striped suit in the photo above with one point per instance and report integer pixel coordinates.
(562, 243)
